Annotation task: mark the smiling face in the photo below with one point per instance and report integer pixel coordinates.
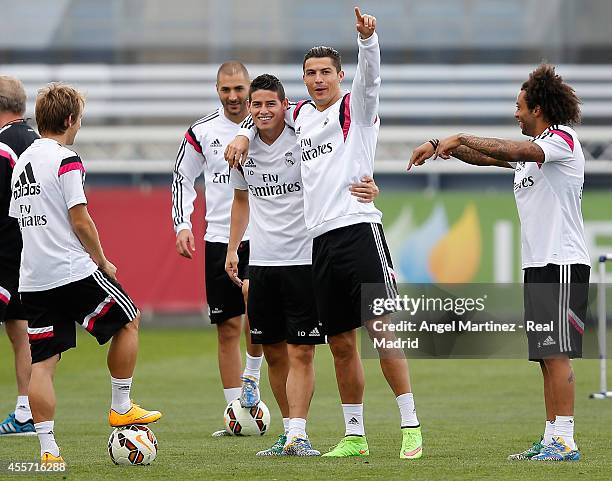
(233, 90)
(268, 111)
(322, 81)
(526, 117)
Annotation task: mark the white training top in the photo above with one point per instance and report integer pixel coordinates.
(338, 147)
(47, 181)
(548, 198)
(202, 151)
(271, 174)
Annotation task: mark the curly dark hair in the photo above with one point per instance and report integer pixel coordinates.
(558, 100)
(267, 82)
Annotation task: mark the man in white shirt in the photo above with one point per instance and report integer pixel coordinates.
(64, 276)
(548, 181)
(337, 132)
(201, 152)
(268, 197)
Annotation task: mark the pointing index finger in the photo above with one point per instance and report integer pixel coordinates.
(358, 14)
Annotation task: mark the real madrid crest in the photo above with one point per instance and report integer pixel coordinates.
(289, 160)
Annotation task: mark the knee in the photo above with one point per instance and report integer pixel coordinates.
(342, 347)
(229, 331)
(276, 354)
(302, 355)
(134, 324)
(555, 364)
(17, 332)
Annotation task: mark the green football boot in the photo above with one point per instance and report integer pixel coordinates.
(349, 446)
(412, 443)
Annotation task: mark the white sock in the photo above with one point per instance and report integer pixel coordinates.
(405, 402)
(253, 366)
(47, 438)
(564, 428)
(22, 409)
(297, 429)
(549, 432)
(286, 425)
(120, 397)
(353, 419)
(231, 393)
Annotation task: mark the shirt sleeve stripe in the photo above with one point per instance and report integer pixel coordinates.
(298, 108)
(345, 115)
(190, 137)
(9, 157)
(565, 136)
(69, 164)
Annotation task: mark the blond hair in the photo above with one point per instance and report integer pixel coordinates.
(54, 104)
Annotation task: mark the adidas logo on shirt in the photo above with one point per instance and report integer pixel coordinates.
(549, 341)
(249, 163)
(314, 333)
(216, 143)
(26, 184)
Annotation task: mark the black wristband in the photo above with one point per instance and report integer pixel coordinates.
(434, 143)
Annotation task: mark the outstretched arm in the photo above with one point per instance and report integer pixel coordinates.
(471, 156)
(500, 149)
(465, 154)
(366, 84)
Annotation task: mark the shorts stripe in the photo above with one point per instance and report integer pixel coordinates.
(100, 311)
(562, 294)
(122, 300)
(564, 299)
(568, 291)
(383, 260)
(576, 322)
(560, 319)
(35, 333)
(5, 296)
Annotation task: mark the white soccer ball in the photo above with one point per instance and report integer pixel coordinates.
(130, 445)
(241, 421)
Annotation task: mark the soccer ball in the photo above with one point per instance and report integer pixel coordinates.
(241, 421)
(135, 444)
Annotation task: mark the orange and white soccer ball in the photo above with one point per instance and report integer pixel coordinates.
(241, 421)
(132, 445)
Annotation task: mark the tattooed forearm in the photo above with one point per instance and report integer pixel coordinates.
(502, 149)
(471, 156)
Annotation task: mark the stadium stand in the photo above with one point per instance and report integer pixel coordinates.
(136, 114)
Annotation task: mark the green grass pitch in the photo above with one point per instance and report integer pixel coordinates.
(473, 412)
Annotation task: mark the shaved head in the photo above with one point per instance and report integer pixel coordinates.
(231, 68)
